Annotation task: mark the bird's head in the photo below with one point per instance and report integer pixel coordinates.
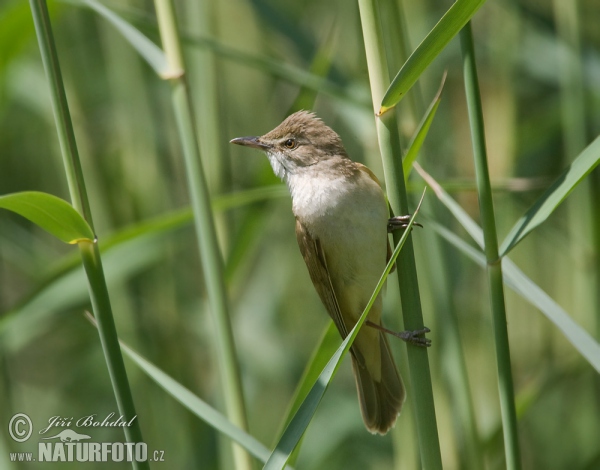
(300, 141)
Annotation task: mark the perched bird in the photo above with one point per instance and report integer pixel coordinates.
(342, 230)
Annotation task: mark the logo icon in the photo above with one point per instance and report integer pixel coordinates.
(68, 435)
(20, 427)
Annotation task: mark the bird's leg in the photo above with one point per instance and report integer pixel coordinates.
(400, 222)
(413, 337)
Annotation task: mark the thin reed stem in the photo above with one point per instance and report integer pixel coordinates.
(212, 262)
(449, 349)
(389, 144)
(89, 252)
(494, 263)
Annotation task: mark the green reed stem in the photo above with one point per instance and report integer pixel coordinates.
(494, 263)
(212, 262)
(90, 254)
(389, 144)
(450, 349)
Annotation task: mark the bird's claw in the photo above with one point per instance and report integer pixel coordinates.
(415, 337)
(400, 222)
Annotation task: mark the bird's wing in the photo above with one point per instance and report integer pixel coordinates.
(314, 257)
(371, 175)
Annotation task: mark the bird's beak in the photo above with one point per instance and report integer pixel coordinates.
(253, 142)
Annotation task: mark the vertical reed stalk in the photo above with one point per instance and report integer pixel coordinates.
(89, 252)
(212, 262)
(494, 263)
(389, 144)
(449, 349)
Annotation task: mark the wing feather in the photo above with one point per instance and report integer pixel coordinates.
(371, 175)
(314, 257)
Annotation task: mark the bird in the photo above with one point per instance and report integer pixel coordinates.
(342, 218)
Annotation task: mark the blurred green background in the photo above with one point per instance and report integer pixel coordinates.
(248, 61)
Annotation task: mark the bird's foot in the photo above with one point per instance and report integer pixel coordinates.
(400, 222)
(414, 337)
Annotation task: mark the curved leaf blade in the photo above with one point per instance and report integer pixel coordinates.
(51, 213)
(514, 278)
(324, 350)
(530, 291)
(298, 424)
(417, 141)
(192, 402)
(134, 237)
(198, 406)
(438, 38)
(554, 195)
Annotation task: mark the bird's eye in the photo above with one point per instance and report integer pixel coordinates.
(290, 143)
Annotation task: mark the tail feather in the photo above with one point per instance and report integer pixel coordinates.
(380, 401)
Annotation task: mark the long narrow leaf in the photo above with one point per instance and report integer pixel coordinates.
(438, 38)
(581, 340)
(417, 141)
(90, 254)
(324, 350)
(193, 403)
(465, 220)
(135, 236)
(293, 433)
(554, 195)
(198, 406)
(51, 213)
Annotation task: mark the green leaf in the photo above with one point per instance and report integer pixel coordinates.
(325, 349)
(323, 352)
(146, 48)
(438, 38)
(419, 137)
(198, 406)
(529, 290)
(132, 239)
(514, 278)
(469, 224)
(51, 213)
(295, 430)
(554, 195)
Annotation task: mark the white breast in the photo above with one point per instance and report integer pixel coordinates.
(349, 217)
(320, 201)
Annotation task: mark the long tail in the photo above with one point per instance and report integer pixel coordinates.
(380, 401)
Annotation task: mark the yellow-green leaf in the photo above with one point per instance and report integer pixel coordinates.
(417, 141)
(438, 38)
(582, 166)
(302, 417)
(51, 213)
